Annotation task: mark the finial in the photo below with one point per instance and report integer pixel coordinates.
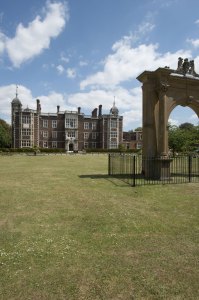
(114, 102)
(16, 91)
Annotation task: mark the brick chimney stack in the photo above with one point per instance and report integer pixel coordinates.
(38, 106)
(94, 113)
(58, 107)
(100, 110)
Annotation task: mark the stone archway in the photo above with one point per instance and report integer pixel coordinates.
(163, 90)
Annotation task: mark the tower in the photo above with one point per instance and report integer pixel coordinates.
(16, 110)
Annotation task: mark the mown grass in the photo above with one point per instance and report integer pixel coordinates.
(68, 231)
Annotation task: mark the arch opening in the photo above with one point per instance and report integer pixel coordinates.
(71, 147)
(181, 114)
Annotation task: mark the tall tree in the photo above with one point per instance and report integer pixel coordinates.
(5, 134)
(186, 126)
(183, 138)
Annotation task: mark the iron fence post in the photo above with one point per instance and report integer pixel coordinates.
(109, 164)
(134, 170)
(190, 161)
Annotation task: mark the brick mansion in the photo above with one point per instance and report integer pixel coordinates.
(69, 130)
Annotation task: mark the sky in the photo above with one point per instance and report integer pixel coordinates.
(83, 53)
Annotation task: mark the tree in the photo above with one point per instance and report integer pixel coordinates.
(138, 129)
(5, 134)
(186, 126)
(183, 138)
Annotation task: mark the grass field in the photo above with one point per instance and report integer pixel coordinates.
(68, 231)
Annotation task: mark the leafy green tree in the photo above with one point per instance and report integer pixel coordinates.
(183, 138)
(5, 134)
(138, 129)
(186, 126)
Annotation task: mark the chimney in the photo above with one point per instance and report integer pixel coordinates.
(79, 110)
(58, 107)
(100, 110)
(94, 113)
(38, 106)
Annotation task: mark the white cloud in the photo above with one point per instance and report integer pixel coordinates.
(145, 28)
(60, 69)
(48, 102)
(8, 92)
(194, 43)
(71, 73)
(126, 63)
(194, 117)
(132, 119)
(129, 102)
(174, 122)
(2, 42)
(64, 58)
(31, 41)
(83, 63)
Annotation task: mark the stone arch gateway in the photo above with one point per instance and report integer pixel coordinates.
(163, 90)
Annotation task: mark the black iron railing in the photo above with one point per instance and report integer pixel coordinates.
(139, 170)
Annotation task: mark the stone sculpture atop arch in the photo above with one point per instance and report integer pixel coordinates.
(186, 67)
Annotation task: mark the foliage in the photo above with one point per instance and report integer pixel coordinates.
(186, 126)
(5, 134)
(183, 138)
(138, 129)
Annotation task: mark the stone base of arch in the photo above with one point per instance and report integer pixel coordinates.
(157, 168)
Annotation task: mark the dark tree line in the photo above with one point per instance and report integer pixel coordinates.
(5, 134)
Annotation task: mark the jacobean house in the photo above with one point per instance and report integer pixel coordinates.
(69, 130)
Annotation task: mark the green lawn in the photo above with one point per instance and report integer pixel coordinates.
(68, 231)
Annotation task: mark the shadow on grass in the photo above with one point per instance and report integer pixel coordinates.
(116, 180)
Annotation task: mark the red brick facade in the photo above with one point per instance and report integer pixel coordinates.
(69, 130)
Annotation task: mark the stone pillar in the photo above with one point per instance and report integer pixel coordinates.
(149, 128)
(162, 141)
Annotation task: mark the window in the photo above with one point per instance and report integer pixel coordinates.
(86, 125)
(26, 119)
(54, 134)
(93, 135)
(54, 144)
(54, 123)
(113, 134)
(45, 144)
(71, 123)
(45, 134)
(25, 143)
(45, 123)
(113, 145)
(93, 144)
(94, 125)
(26, 132)
(85, 145)
(113, 123)
(71, 134)
(86, 135)
(139, 145)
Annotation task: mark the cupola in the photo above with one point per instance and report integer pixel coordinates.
(114, 110)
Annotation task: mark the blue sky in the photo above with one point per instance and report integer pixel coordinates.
(86, 52)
